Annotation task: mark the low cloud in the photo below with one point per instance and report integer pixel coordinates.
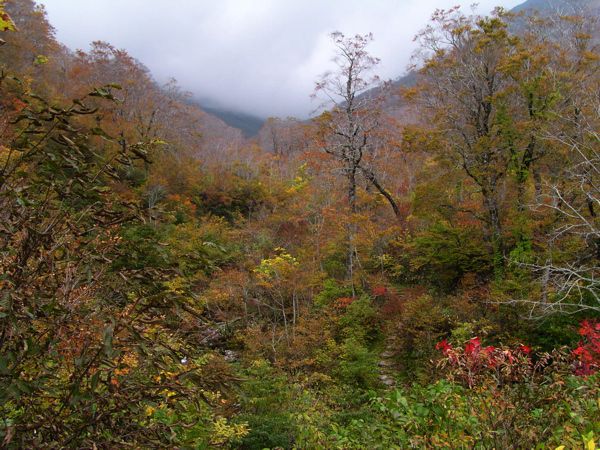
(260, 57)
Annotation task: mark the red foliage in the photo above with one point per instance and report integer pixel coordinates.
(379, 291)
(587, 353)
(472, 347)
(473, 363)
(444, 346)
(343, 302)
(524, 349)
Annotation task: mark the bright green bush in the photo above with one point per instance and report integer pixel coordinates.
(265, 398)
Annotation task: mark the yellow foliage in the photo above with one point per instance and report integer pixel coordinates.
(6, 23)
(277, 267)
(225, 432)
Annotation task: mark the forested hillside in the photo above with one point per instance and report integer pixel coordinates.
(369, 278)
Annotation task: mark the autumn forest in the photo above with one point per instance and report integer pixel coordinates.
(415, 266)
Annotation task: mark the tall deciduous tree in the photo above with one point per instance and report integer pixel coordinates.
(348, 129)
(465, 93)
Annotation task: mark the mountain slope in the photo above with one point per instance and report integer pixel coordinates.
(564, 6)
(248, 124)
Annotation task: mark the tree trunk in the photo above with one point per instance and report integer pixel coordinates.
(351, 225)
(537, 182)
(495, 229)
(369, 175)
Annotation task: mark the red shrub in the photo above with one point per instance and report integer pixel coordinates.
(587, 353)
(343, 302)
(475, 363)
(379, 291)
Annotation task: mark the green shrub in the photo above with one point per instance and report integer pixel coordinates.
(360, 321)
(357, 364)
(442, 256)
(332, 290)
(265, 398)
(139, 250)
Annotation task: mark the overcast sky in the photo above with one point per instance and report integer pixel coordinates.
(256, 56)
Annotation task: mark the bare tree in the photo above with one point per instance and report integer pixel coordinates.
(569, 276)
(355, 93)
(572, 283)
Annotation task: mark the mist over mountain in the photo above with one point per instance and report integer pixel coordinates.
(249, 124)
(261, 57)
